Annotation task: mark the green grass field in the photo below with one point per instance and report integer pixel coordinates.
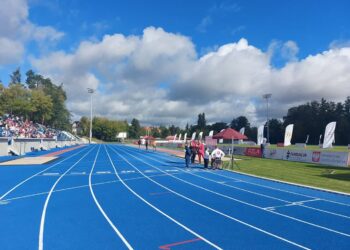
(327, 177)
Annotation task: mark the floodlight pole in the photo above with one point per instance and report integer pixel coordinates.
(267, 97)
(90, 91)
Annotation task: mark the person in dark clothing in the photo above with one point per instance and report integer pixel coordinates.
(187, 156)
(146, 144)
(139, 143)
(193, 152)
(262, 148)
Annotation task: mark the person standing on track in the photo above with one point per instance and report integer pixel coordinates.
(187, 156)
(193, 148)
(200, 147)
(146, 144)
(206, 158)
(139, 143)
(217, 154)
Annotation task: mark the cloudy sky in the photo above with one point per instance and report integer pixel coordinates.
(164, 62)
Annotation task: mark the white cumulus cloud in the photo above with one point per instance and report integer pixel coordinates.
(16, 29)
(159, 78)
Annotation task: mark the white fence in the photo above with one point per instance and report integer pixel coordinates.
(24, 145)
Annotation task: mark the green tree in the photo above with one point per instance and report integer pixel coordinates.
(41, 106)
(84, 126)
(164, 131)
(218, 126)
(201, 122)
(276, 131)
(135, 129)
(15, 77)
(155, 132)
(16, 100)
(239, 122)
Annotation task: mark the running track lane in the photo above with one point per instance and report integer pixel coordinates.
(307, 226)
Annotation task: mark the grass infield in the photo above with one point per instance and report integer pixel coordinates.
(328, 177)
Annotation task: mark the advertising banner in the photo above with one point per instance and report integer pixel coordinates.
(276, 154)
(209, 141)
(242, 130)
(193, 136)
(329, 135)
(200, 136)
(260, 135)
(339, 159)
(298, 155)
(254, 152)
(288, 135)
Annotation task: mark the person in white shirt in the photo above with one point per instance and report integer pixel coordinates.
(217, 155)
(206, 158)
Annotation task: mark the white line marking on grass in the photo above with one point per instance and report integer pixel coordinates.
(38, 173)
(246, 203)
(154, 207)
(43, 215)
(127, 244)
(206, 207)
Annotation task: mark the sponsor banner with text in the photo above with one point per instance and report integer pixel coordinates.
(254, 152)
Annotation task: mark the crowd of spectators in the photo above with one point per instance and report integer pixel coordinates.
(15, 126)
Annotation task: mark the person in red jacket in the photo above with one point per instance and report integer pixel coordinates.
(200, 147)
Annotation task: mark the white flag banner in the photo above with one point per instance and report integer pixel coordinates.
(185, 137)
(288, 135)
(179, 137)
(200, 136)
(193, 136)
(211, 133)
(175, 137)
(242, 130)
(260, 138)
(329, 135)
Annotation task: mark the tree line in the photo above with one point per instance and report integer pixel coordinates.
(37, 99)
(309, 119)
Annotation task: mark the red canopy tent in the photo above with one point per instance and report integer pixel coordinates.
(230, 133)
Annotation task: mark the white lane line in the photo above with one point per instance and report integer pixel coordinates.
(120, 235)
(50, 174)
(75, 187)
(43, 215)
(155, 208)
(77, 173)
(207, 207)
(278, 189)
(24, 181)
(103, 172)
(281, 190)
(246, 203)
(127, 171)
(224, 184)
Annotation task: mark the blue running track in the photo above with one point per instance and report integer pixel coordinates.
(119, 197)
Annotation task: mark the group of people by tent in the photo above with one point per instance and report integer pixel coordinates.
(198, 148)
